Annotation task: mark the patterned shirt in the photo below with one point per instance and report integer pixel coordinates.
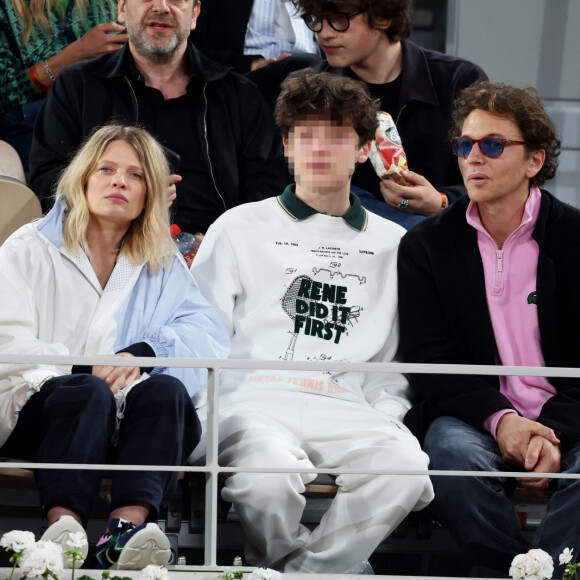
(16, 57)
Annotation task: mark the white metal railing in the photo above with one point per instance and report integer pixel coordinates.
(212, 468)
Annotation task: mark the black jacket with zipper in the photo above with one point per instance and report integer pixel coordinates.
(242, 147)
(430, 82)
(444, 317)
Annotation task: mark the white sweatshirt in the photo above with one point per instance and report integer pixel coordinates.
(293, 284)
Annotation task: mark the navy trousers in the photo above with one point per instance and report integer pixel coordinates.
(71, 420)
(477, 510)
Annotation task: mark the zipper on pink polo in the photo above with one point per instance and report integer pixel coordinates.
(498, 272)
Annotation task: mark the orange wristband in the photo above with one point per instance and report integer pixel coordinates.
(444, 201)
(36, 83)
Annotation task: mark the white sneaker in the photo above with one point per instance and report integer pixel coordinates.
(126, 547)
(60, 532)
(148, 546)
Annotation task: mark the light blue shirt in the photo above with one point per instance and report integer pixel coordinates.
(275, 28)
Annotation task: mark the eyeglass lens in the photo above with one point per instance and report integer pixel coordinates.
(490, 146)
(339, 22)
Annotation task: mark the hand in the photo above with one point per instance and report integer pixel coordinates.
(423, 198)
(172, 191)
(514, 434)
(262, 62)
(99, 40)
(117, 377)
(542, 457)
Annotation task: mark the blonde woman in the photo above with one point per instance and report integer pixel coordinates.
(99, 275)
(37, 39)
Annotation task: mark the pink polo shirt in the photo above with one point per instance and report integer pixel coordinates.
(510, 285)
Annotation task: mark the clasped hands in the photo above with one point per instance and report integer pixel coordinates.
(530, 445)
(117, 377)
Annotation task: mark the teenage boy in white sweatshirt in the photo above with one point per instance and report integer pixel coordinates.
(311, 275)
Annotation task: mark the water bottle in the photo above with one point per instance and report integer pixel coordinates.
(186, 243)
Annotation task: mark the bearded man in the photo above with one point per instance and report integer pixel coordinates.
(216, 127)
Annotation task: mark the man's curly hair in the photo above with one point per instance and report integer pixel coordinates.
(343, 99)
(398, 12)
(524, 107)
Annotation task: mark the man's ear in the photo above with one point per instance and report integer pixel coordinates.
(536, 162)
(382, 23)
(196, 11)
(121, 11)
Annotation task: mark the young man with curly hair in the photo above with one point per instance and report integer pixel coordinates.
(368, 40)
(311, 275)
(508, 296)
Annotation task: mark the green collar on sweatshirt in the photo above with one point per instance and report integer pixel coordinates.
(356, 216)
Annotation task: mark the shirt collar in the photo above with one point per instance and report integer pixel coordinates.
(356, 216)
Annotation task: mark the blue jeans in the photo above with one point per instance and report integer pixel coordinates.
(382, 208)
(477, 511)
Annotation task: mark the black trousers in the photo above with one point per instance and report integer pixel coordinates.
(71, 420)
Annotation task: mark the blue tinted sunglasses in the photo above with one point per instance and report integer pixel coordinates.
(489, 146)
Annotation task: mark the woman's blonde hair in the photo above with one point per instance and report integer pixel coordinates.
(148, 239)
(36, 12)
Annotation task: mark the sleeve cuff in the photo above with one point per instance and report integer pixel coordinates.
(490, 424)
(82, 369)
(140, 349)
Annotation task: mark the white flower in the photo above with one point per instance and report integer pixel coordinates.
(566, 556)
(152, 572)
(40, 558)
(77, 540)
(17, 541)
(265, 574)
(535, 565)
(517, 567)
(543, 565)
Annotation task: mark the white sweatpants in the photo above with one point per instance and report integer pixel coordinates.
(300, 430)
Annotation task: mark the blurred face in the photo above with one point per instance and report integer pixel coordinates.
(116, 188)
(322, 155)
(492, 179)
(358, 46)
(158, 29)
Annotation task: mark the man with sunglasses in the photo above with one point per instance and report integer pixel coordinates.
(368, 40)
(493, 280)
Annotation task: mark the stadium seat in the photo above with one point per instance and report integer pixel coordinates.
(10, 163)
(18, 206)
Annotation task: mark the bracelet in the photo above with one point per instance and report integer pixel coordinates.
(36, 83)
(48, 70)
(444, 201)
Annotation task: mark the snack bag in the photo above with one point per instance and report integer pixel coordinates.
(387, 154)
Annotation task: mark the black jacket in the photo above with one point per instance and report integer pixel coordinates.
(242, 146)
(430, 82)
(444, 317)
